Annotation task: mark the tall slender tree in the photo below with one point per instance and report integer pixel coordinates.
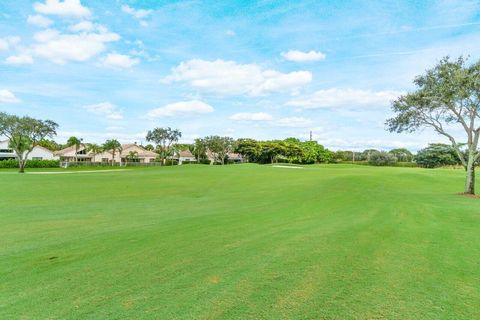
(447, 97)
(24, 134)
(113, 146)
(94, 149)
(76, 143)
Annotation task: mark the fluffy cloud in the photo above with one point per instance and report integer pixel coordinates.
(137, 13)
(180, 108)
(66, 8)
(82, 26)
(7, 96)
(119, 61)
(60, 48)
(332, 98)
(299, 56)
(6, 43)
(230, 78)
(39, 21)
(251, 116)
(293, 122)
(106, 109)
(19, 59)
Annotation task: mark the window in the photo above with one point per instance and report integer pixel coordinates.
(37, 158)
(6, 151)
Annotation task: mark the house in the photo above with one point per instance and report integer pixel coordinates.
(142, 155)
(38, 153)
(185, 155)
(235, 157)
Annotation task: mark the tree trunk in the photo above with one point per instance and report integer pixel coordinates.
(470, 182)
(21, 164)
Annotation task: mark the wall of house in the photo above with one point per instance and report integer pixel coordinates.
(38, 153)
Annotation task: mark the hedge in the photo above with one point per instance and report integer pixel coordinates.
(12, 163)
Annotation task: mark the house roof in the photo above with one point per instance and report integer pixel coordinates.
(185, 154)
(141, 151)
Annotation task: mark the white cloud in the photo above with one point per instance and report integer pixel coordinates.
(110, 111)
(119, 61)
(180, 108)
(6, 43)
(60, 48)
(19, 59)
(299, 56)
(137, 13)
(332, 98)
(251, 116)
(7, 96)
(293, 122)
(230, 78)
(39, 21)
(82, 26)
(66, 8)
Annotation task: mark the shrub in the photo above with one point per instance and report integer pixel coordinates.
(381, 158)
(13, 163)
(204, 161)
(169, 162)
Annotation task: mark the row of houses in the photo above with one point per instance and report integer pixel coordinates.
(68, 154)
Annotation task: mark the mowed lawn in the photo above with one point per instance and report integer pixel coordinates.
(240, 242)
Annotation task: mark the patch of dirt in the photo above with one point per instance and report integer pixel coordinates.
(468, 195)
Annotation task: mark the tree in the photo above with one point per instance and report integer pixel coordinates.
(94, 149)
(447, 97)
(437, 155)
(402, 154)
(75, 142)
(149, 147)
(382, 158)
(132, 156)
(200, 149)
(113, 146)
(24, 134)
(50, 144)
(163, 138)
(248, 148)
(219, 146)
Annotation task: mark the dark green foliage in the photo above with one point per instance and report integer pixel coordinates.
(381, 158)
(12, 163)
(437, 155)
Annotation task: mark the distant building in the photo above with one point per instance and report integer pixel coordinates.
(83, 155)
(185, 155)
(38, 153)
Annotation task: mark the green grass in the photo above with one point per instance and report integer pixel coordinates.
(240, 242)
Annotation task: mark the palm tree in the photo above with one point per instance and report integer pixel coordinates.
(113, 146)
(132, 156)
(76, 142)
(94, 149)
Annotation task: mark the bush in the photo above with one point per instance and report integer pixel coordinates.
(381, 158)
(169, 162)
(12, 163)
(406, 164)
(204, 161)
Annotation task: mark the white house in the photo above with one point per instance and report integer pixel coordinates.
(185, 155)
(83, 155)
(38, 153)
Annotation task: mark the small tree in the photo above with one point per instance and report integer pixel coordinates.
(382, 158)
(163, 138)
(113, 146)
(75, 142)
(200, 149)
(402, 154)
(447, 96)
(24, 134)
(94, 149)
(220, 147)
(437, 155)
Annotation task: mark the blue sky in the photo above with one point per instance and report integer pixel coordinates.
(260, 69)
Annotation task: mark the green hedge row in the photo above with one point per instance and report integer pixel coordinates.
(12, 163)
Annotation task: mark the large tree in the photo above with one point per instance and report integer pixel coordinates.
(24, 134)
(447, 97)
(76, 143)
(220, 147)
(113, 146)
(163, 138)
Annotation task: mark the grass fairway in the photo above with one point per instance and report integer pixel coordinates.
(240, 242)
